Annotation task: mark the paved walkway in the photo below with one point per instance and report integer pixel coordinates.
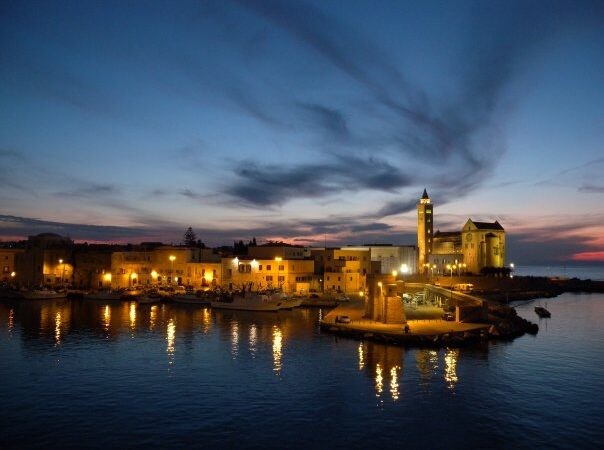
(355, 310)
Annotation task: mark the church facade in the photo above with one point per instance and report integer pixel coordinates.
(477, 245)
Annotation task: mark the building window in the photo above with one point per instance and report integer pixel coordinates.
(281, 278)
(269, 278)
(281, 267)
(260, 267)
(268, 267)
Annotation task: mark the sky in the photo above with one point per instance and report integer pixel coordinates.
(305, 121)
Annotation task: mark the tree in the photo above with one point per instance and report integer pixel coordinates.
(190, 238)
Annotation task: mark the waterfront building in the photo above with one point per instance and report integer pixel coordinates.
(166, 266)
(46, 260)
(92, 266)
(291, 275)
(342, 269)
(483, 245)
(476, 246)
(392, 258)
(8, 264)
(272, 250)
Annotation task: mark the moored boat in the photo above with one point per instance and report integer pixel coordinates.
(248, 301)
(542, 312)
(103, 295)
(43, 294)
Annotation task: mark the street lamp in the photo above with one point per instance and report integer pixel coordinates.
(450, 267)
(172, 258)
(63, 271)
(394, 274)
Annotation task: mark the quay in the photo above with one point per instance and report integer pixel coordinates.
(475, 319)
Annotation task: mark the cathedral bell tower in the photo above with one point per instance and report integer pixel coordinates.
(424, 231)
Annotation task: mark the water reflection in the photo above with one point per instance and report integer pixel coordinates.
(277, 343)
(394, 382)
(379, 380)
(384, 364)
(253, 339)
(451, 357)
(58, 328)
(206, 320)
(426, 362)
(132, 315)
(107, 318)
(170, 336)
(234, 339)
(152, 317)
(361, 356)
(11, 320)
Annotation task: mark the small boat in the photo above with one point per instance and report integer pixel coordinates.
(191, 299)
(542, 312)
(43, 294)
(103, 295)
(148, 297)
(248, 301)
(291, 302)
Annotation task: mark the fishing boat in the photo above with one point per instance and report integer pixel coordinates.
(291, 302)
(542, 312)
(190, 299)
(43, 294)
(148, 297)
(249, 301)
(105, 294)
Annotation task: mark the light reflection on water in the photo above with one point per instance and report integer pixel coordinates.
(213, 376)
(58, 328)
(253, 339)
(451, 356)
(234, 339)
(152, 317)
(277, 344)
(107, 317)
(132, 315)
(170, 338)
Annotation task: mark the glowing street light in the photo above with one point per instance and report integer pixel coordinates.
(63, 271)
(450, 267)
(172, 258)
(13, 274)
(394, 273)
(404, 269)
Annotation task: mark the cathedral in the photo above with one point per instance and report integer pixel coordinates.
(477, 245)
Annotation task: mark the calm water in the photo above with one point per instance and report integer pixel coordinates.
(76, 374)
(582, 272)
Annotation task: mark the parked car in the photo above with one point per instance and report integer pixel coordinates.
(449, 317)
(342, 319)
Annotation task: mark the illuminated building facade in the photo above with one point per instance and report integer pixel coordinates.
(291, 275)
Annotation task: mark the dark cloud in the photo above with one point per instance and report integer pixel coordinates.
(22, 226)
(92, 190)
(273, 184)
(331, 120)
(592, 189)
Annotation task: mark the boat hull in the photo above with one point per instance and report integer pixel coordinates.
(244, 307)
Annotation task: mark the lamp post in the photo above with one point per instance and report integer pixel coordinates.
(511, 270)
(172, 258)
(450, 267)
(62, 272)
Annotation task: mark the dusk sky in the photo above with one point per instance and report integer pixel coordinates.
(302, 121)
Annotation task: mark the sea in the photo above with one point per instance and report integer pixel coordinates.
(77, 374)
(593, 272)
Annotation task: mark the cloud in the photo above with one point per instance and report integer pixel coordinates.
(591, 189)
(271, 184)
(458, 134)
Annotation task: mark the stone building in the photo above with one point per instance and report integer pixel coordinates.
(477, 245)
